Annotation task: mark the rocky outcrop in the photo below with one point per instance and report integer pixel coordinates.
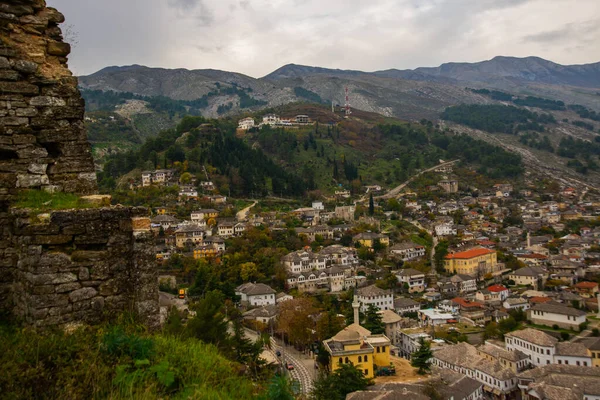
(74, 265)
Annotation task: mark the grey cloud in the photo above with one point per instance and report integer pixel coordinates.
(572, 31)
(184, 4)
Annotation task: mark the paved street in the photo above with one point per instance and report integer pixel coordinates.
(303, 371)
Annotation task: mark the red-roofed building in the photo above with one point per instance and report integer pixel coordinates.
(475, 262)
(472, 310)
(586, 289)
(539, 300)
(500, 291)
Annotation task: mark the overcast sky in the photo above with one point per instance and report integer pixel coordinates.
(255, 37)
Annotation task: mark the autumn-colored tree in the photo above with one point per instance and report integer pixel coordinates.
(295, 320)
(329, 324)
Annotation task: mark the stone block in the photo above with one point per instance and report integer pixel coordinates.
(16, 9)
(27, 67)
(26, 112)
(67, 287)
(53, 239)
(18, 87)
(8, 75)
(82, 294)
(31, 152)
(29, 181)
(13, 121)
(98, 303)
(88, 255)
(84, 274)
(54, 311)
(38, 169)
(58, 49)
(109, 288)
(140, 223)
(46, 289)
(4, 63)
(49, 300)
(47, 101)
(51, 279)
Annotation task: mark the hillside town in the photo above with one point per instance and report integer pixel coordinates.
(500, 285)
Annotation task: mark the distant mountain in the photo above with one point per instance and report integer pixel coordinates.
(529, 69)
(408, 94)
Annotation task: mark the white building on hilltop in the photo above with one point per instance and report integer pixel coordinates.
(246, 123)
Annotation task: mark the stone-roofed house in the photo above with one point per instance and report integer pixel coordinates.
(560, 382)
(498, 380)
(533, 276)
(256, 294)
(372, 295)
(189, 235)
(407, 250)
(413, 278)
(368, 239)
(264, 314)
(514, 359)
(552, 313)
(572, 353)
(404, 305)
(464, 283)
(393, 323)
(538, 345)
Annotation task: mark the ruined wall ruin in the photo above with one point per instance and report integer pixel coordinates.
(74, 265)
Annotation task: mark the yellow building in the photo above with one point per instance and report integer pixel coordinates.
(367, 239)
(161, 210)
(472, 262)
(356, 345)
(205, 251)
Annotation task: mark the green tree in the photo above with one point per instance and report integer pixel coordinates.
(371, 205)
(282, 387)
(347, 378)
(441, 251)
(209, 325)
(373, 321)
(420, 358)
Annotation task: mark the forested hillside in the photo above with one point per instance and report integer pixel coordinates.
(364, 149)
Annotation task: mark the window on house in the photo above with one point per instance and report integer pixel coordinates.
(366, 359)
(359, 359)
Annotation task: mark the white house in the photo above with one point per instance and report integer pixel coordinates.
(256, 294)
(372, 295)
(514, 303)
(538, 345)
(445, 229)
(271, 119)
(551, 314)
(434, 316)
(413, 278)
(404, 305)
(318, 205)
(498, 379)
(408, 250)
(246, 123)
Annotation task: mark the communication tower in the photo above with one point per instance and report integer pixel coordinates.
(347, 106)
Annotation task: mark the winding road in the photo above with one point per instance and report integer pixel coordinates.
(300, 373)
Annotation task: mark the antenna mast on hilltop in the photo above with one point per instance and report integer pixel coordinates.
(347, 106)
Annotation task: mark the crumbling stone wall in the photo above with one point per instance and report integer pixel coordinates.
(79, 264)
(84, 265)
